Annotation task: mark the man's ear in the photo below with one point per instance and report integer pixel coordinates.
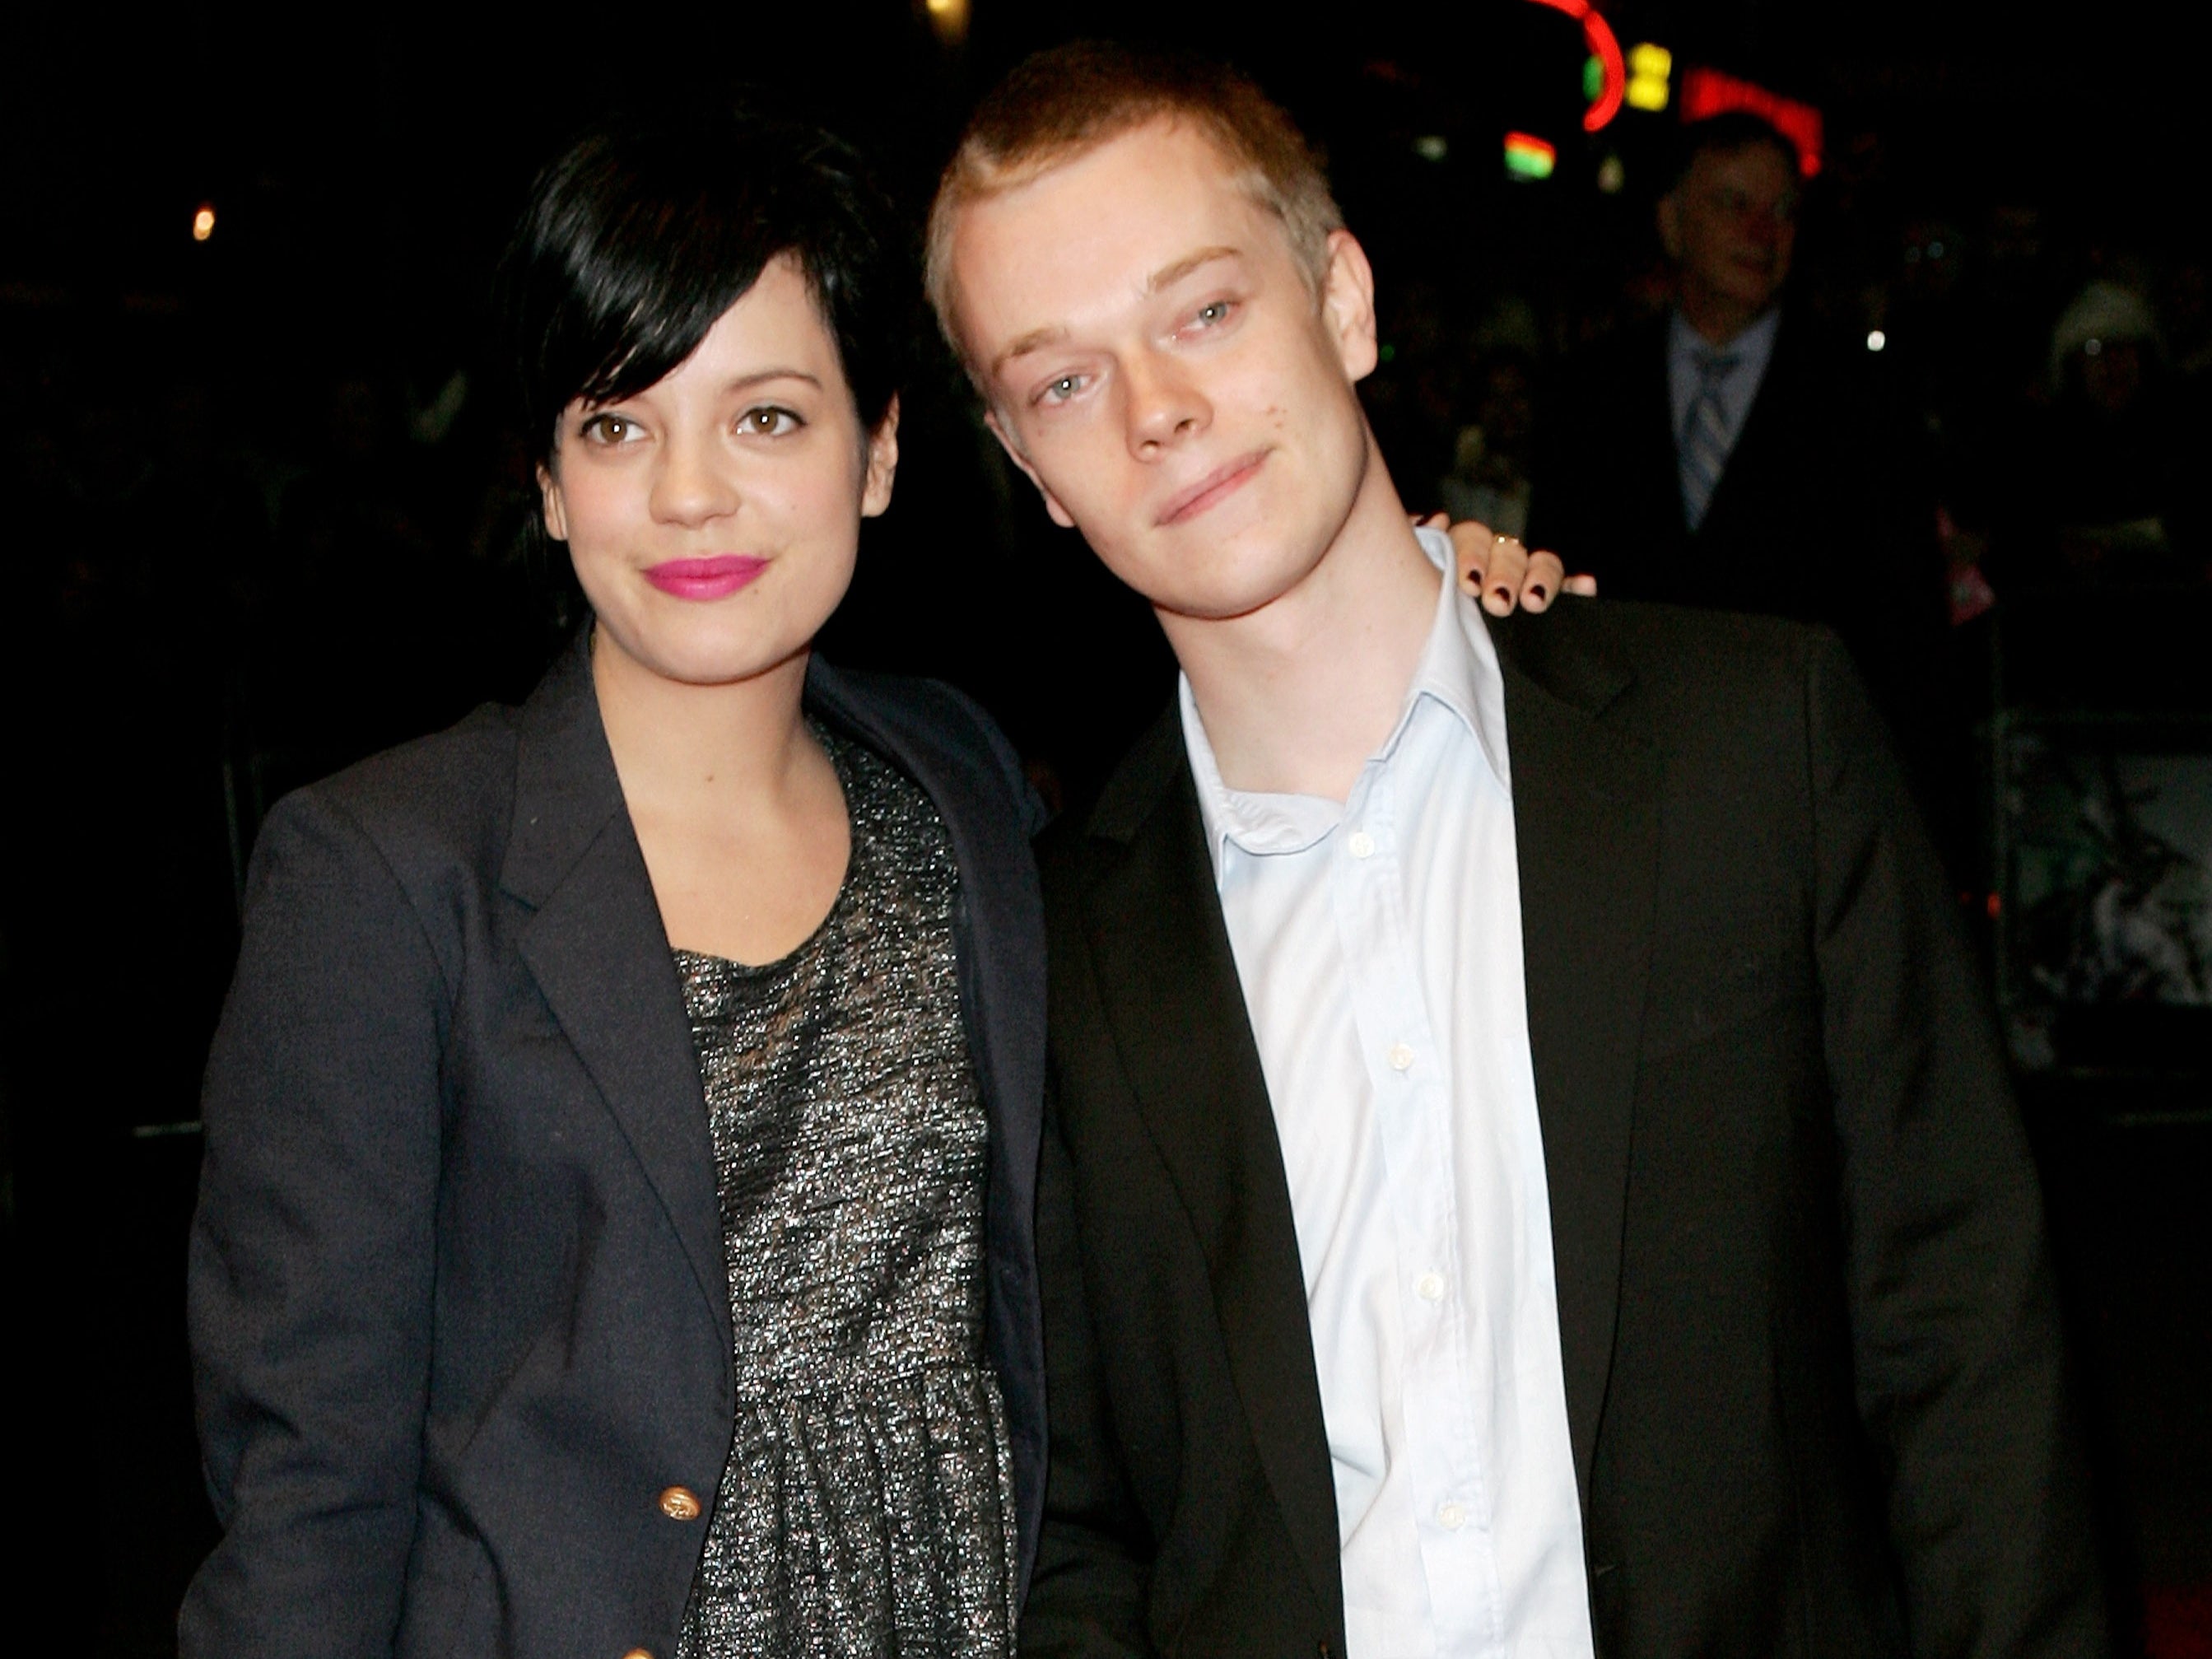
(1347, 303)
(1060, 515)
(557, 507)
(1670, 226)
(883, 462)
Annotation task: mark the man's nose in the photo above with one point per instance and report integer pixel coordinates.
(1769, 222)
(692, 484)
(1164, 407)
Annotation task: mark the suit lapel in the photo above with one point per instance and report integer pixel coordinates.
(600, 956)
(1661, 479)
(1168, 979)
(1586, 821)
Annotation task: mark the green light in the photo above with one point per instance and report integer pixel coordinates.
(1529, 157)
(1593, 79)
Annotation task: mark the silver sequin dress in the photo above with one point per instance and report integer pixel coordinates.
(867, 1507)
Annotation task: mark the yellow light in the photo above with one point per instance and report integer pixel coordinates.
(1648, 66)
(203, 222)
(950, 19)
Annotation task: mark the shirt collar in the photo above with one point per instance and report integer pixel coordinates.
(1754, 345)
(1458, 672)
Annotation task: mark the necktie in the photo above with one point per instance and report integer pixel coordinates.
(1704, 445)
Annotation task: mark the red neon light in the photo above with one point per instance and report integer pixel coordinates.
(1708, 92)
(1598, 35)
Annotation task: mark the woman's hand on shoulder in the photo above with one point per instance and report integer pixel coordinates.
(1501, 573)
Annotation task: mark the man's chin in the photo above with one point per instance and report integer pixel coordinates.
(1225, 601)
(1754, 290)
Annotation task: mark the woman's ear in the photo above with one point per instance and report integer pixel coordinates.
(883, 462)
(557, 508)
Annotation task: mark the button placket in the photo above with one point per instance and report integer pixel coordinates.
(1415, 1123)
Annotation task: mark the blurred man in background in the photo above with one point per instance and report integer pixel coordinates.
(1736, 456)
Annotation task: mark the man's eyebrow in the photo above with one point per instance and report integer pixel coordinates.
(1168, 275)
(1028, 342)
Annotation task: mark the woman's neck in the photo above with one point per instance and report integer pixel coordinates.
(737, 811)
(738, 749)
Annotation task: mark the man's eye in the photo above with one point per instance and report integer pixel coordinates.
(1061, 389)
(769, 422)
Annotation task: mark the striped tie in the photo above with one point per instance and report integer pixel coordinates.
(1704, 445)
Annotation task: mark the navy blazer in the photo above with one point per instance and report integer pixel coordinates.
(459, 1308)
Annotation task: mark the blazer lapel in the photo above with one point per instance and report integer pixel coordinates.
(1586, 817)
(1168, 978)
(600, 955)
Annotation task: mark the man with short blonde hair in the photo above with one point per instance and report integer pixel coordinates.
(1527, 1169)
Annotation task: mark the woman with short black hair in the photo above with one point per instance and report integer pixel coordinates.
(614, 1234)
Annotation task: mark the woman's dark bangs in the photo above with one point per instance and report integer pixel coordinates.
(642, 236)
(654, 286)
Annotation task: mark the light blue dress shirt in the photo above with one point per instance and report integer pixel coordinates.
(1378, 943)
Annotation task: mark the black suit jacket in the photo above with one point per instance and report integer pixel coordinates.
(459, 1306)
(1824, 512)
(1812, 1363)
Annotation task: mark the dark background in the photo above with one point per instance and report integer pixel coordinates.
(182, 423)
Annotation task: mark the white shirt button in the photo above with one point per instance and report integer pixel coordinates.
(1452, 1517)
(1401, 1057)
(1362, 844)
(1431, 1286)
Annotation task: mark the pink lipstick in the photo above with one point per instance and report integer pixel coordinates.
(706, 578)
